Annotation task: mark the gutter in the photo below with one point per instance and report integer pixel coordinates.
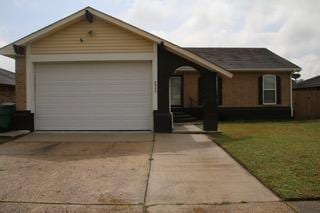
(268, 69)
(291, 102)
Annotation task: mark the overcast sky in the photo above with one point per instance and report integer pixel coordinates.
(290, 28)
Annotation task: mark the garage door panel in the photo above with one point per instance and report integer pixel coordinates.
(89, 111)
(94, 96)
(92, 123)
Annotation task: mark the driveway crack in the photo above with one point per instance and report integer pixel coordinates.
(149, 171)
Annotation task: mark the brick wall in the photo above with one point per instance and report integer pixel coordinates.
(242, 89)
(21, 83)
(239, 91)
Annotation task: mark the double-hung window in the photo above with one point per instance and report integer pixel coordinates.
(269, 89)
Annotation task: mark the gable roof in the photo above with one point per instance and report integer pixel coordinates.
(309, 83)
(236, 59)
(7, 77)
(9, 51)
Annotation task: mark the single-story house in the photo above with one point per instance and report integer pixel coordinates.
(306, 98)
(7, 86)
(91, 71)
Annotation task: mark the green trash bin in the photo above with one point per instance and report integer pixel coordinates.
(6, 112)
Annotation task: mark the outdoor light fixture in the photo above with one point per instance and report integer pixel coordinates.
(295, 76)
(91, 33)
(89, 16)
(19, 50)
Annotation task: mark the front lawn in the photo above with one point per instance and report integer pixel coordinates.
(283, 155)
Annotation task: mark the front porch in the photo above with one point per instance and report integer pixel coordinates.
(171, 98)
(185, 100)
(187, 114)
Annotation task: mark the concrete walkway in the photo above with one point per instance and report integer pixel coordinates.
(306, 206)
(191, 169)
(186, 128)
(100, 172)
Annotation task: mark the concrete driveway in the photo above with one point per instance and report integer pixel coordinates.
(98, 172)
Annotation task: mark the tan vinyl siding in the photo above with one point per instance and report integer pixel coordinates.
(21, 83)
(105, 38)
(239, 91)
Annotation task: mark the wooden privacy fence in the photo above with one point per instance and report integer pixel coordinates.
(306, 103)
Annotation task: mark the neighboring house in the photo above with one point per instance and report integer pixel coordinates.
(90, 71)
(7, 86)
(306, 98)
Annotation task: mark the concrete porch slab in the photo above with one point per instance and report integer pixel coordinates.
(189, 128)
(186, 128)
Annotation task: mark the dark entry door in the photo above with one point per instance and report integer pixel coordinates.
(176, 90)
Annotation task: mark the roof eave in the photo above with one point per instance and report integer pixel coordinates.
(9, 51)
(174, 48)
(298, 69)
(196, 59)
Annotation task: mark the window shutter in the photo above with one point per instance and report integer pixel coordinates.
(278, 90)
(219, 86)
(260, 90)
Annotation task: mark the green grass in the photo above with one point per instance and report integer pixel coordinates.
(285, 156)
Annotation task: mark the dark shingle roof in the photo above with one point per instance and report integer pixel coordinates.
(244, 58)
(309, 83)
(7, 77)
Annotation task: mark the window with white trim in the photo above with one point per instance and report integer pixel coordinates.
(269, 89)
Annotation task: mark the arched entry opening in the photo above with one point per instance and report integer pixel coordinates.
(186, 96)
(168, 63)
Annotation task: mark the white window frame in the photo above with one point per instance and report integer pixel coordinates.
(275, 89)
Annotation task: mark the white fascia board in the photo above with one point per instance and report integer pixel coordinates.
(197, 60)
(125, 25)
(93, 57)
(155, 77)
(176, 49)
(8, 49)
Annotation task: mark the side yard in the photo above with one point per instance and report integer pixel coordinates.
(283, 155)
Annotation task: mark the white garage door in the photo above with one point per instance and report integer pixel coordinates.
(93, 96)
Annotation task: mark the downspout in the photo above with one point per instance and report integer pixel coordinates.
(291, 102)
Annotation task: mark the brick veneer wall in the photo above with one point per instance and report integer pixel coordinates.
(21, 83)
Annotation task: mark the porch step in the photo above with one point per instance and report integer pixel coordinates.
(182, 120)
(178, 112)
(182, 116)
